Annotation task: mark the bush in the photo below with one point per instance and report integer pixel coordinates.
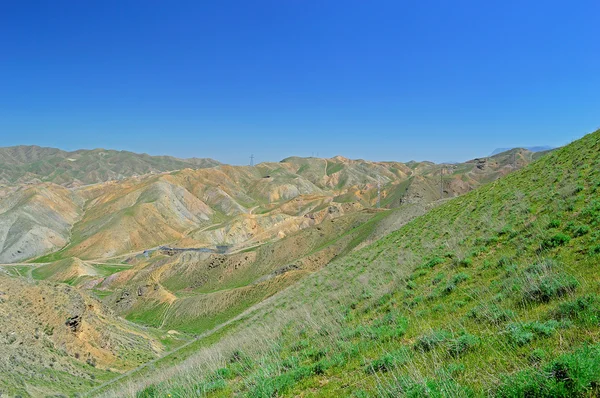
(440, 387)
(583, 310)
(460, 277)
(225, 373)
(554, 224)
(449, 288)
(460, 345)
(557, 240)
(148, 392)
(431, 340)
(438, 278)
(537, 355)
(433, 262)
(572, 375)
(541, 282)
(504, 262)
(548, 287)
(491, 314)
(522, 333)
(581, 230)
(509, 231)
(518, 335)
(387, 361)
(544, 329)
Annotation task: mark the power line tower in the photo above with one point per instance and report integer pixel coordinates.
(252, 160)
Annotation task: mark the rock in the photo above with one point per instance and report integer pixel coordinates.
(74, 323)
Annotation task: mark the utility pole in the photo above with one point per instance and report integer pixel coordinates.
(252, 160)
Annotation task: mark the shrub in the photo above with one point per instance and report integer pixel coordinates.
(595, 250)
(509, 231)
(537, 355)
(504, 262)
(387, 361)
(571, 375)
(210, 386)
(449, 288)
(460, 277)
(581, 230)
(460, 345)
(544, 329)
(548, 287)
(554, 224)
(438, 278)
(225, 373)
(491, 314)
(433, 262)
(417, 274)
(522, 333)
(541, 282)
(431, 340)
(518, 335)
(557, 240)
(440, 387)
(148, 392)
(466, 262)
(584, 310)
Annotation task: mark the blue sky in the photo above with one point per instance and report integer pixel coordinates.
(381, 80)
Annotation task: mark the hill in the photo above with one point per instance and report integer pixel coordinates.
(57, 339)
(34, 164)
(540, 148)
(502, 279)
(224, 205)
(188, 252)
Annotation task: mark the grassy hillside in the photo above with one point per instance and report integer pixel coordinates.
(495, 293)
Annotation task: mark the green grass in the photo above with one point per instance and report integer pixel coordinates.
(333, 167)
(18, 270)
(503, 279)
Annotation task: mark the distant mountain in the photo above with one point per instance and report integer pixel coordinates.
(529, 148)
(34, 164)
(116, 215)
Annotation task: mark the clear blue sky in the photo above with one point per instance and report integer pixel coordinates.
(383, 80)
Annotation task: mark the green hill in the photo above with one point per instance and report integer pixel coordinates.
(494, 293)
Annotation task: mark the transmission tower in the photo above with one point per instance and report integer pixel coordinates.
(252, 160)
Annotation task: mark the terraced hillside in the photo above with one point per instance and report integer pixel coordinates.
(492, 293)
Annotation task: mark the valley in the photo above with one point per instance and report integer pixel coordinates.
(191, 254)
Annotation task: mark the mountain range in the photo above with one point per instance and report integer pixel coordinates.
(103, 273)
